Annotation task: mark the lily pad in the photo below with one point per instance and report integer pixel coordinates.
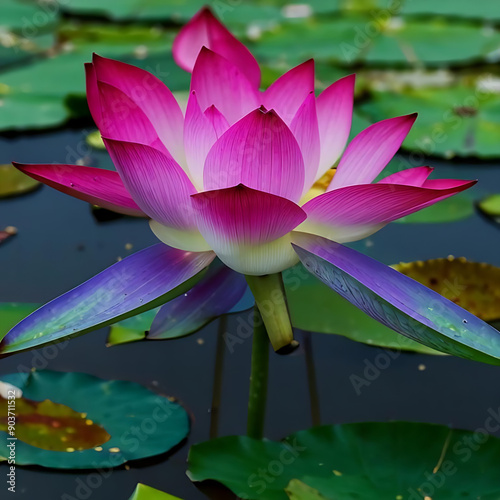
(456, 121)
(316, 308)
(143, 492)
(479, 9)
(13, 182)
(472, 285)
(297, 490)
(490, 206)
(131, 329)
(48, 425)
(452, 209)
(366, 461)
(13, 312)
(386, 39)
(32, 98)
(115, 405)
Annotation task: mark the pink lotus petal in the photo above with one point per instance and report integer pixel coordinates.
(371, 150)
(410, 176)
(259, 151)
(289, 91)
(123, 120)
(248, 229)
(221, 83)
(334, 108)
(156, 182)
(304, 127)
(201, 130)
(354, 212)
(93, 98)
(204, 29)
(150, 95)
(94, 185)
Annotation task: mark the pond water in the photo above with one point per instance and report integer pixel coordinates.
(60, 244)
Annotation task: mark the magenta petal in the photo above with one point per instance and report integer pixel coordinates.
(205, 30)
(94, 185)
(221, 83)
(150, 95)
(201, 131)
(123, 120)
(215, 294)
(260, 152)
(409, 177)
(155, 181)
(93, 98)
(248, 228)
(289, 91)
(304, 127)
(371, 150)
(334, 108)
(137, 283)
(353, 212)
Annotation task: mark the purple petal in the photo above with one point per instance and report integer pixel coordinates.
(397, 301)
(138, 283)
(215, 294)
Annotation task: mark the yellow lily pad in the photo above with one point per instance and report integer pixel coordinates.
(472, 285)
(13, 182)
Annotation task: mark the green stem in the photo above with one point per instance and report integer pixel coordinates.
(257, 398)
(218, 372)
(270, 298)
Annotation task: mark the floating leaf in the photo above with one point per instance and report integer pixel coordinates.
(143, 492)
(316, 308)
(297, 490)
(117, 406)
(490, 206)
(359, 38)
(368, 461)
(31, 96)
(50, 426)
(452, 209)
(13, 182)
(472, 285)
(479, 9)
(13, 312)
(454, 121)
(94, 139)
(131, 329)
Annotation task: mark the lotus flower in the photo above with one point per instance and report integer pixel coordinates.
(245, 175)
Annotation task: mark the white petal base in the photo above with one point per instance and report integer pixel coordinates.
(189, 240)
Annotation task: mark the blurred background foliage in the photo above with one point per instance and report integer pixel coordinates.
(437, 58)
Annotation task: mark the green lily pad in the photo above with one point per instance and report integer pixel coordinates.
(143, 492)
(13, 182)
(490, 206)
(297, 490)
(455, 121)
(117, 406)
(315, 307)
(366, 461)
(28, 18)
(384, 40)
(131, 329)
(48, 425)
(479, 9)
(13, 312)
(32, 98)
(452, 209)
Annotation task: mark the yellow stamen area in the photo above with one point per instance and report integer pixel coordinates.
(319, 187)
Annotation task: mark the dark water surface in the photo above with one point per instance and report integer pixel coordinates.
(60, 244)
